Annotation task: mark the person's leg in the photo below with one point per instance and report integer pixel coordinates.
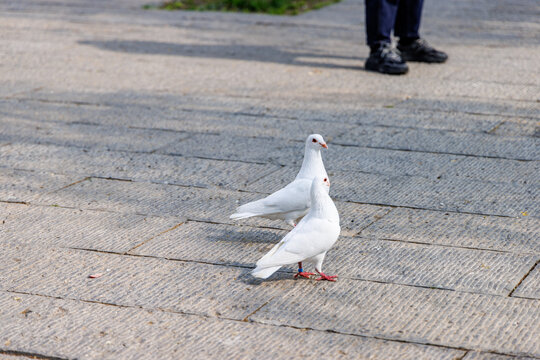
(380, 19)
(407, 24)
(406, 27)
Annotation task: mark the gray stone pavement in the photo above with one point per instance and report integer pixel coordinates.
(128, 136)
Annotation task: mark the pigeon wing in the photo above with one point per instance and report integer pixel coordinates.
(294, 196)
(311, 237)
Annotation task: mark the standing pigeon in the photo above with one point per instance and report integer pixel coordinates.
(310, 240)
(292, 202)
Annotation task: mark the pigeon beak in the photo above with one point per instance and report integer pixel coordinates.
(324, 146)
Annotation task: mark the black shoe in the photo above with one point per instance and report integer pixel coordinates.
(386, 60)
(420, 50)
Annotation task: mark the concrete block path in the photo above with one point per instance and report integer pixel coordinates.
(128, 136)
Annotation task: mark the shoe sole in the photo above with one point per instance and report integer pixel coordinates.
(424, 60)
(385, 70)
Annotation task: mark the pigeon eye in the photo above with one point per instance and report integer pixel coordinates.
(325, 180)
(314, 140)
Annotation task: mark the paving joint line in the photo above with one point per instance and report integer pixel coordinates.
(523, 278)
(368, 238)
(377, 218)
(15, 202)
(296, 140)
(444, 245)
(214, 158)
(475, 113)
(246, 319)
(164, 153)
(492, 130)
(271, 172)
(255, 322)
(430, 209)
(185, 313)
(13, 96)
(284, 117)
(153, 237)
(68, 185)
(60, 102)
(32, 355)
(284, 271)
(238, 224)
(250, 192)
(437, 152)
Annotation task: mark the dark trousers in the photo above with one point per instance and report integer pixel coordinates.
(384, 15)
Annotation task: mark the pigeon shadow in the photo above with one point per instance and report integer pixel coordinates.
(259, 53)
(282, 274)
(246, 235)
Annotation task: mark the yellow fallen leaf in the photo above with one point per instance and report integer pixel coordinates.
(524, 213)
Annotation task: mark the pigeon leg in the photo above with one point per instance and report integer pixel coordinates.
(326, 277)
(302, 273)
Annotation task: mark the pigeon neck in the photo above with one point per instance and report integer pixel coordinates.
(312, 164)
(322, 205)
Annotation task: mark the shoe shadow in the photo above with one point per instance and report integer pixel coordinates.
(259, 53)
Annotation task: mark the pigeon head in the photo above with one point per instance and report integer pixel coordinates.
(319, 195)
(316, 141)
(321, 182)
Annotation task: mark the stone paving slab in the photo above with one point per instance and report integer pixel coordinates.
(518, 148)
(475, 106)
(449, 318)
(59, 227)
(291, 153)
(165, 168)
(24, 186)
(517, 235)
(376, 161)
(259, 117)
(133, 166)
(495, 170)
(213, 205)
(530, 287)
(519, 127)
(359, 258)
(426, 119)
(195, 288)
(86, 136)
(234, 245)
(91, 330)
(253, 116)
(456, 195)
(140, 198)
(428, 266)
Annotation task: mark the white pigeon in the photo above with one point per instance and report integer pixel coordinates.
(309, 241)
(292, 202)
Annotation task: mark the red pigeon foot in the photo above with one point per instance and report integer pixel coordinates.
(303, 274)
(326, 277)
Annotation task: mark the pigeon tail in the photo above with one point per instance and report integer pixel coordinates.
(264, 273)
(238, 216)
(254, 208)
